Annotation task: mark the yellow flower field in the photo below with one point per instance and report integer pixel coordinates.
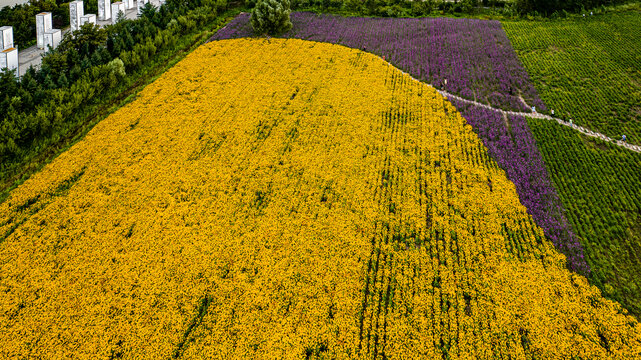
(284, 199)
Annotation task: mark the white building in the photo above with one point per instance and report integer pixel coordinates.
(104, 10)
(76, 11)
(6, 37)
(141, 4)
(117, 8)
(129, 4)
(89, 18)
(9, 59)
(52, 38)
(43, 24)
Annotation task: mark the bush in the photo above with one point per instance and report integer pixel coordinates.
(271, 17)
(116, 69)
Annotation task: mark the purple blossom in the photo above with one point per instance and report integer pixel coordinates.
(511, 144)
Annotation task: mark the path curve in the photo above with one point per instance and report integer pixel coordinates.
(581, 129)
(447, 95)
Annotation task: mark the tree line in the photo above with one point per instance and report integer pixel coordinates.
(44, 105)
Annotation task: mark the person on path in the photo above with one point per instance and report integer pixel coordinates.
(623, 138)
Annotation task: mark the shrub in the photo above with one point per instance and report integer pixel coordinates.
(271, 17)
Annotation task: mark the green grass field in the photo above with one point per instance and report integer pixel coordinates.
(599, 185)
(587, 69)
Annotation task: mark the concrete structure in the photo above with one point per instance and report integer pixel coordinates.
(76, 11)
(129, 4)
(9, 59)
(43, 24)
(53, 38)
(32, 56)
(89, 18)
(117, 8)
(104, 10)
(6, 37)
(141, 4)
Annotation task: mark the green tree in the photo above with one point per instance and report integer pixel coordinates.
(271, 17)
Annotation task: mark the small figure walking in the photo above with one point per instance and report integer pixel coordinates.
(570, 122)
(623, 138)
(552, 112)
(533, 109)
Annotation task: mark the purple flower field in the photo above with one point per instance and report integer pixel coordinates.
(474, 56)
(479, 63)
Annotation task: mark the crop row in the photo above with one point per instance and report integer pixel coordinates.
(474, 56)
(468, 57)
(598, 183)
(511, 144)
(586, 69)
(288, 199)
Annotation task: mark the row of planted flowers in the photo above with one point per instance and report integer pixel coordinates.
(473, 59)
(288, 199)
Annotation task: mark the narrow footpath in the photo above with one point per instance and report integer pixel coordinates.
(33, 57)
(581, 129)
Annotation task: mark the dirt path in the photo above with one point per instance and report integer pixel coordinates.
(581, 129)
(536, 115)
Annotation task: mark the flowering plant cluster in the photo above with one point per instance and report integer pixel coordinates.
(586, 69)
(471, 58)
(288, 199)
(478, 62)
(599, 184)
(510, 143)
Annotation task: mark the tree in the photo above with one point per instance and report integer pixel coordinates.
(148, 10)
(271, 17)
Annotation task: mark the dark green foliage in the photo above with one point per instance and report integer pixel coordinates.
(148, 11)
(550, 7)
(271, 17)
(599, 185)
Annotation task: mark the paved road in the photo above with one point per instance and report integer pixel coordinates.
(33, 56)
(4, 3)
